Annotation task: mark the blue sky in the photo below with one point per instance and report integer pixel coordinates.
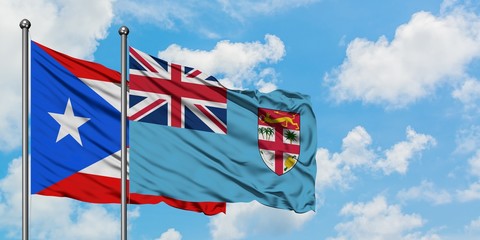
(394, 85)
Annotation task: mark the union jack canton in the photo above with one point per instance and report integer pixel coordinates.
(174, 95)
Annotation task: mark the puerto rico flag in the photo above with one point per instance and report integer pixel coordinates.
(174, 95)
(75, 133)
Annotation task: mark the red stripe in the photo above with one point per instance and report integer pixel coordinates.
(194, 74)
(284, 147)
(183, 89)
(82, 68)
(278, 163)
(99, 189)
(278, 149)
(211, 117)
(176, 104)
(140, 58)
(140, 113)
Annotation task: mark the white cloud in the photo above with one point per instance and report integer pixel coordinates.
(411, 66)
(170, 234)
(425, 191)
(245, 219)
(70, 26)
(398, 157)
(171, 14)
(337, 168)
(377, 220)
(473, 226)
(265, 87)
(238, 63)
(468, 140)
(11, 196)
(471, 231)
(160, 12)
(58, 218)
(134, 213)
(448, 5)
(474, 163)
(331, 171)
(420, 236)
(470, 194)
(468, 94)
(52, 217)
(244, 9)
(175, 16)
(355, 151)
(73, 27)
(268, 80)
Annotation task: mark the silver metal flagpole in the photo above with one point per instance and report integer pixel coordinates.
(25, 25)
(123, 31)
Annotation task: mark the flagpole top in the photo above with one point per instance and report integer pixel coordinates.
(123, 30)
(25, 24)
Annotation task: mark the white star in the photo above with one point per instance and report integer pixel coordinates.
(69, 123)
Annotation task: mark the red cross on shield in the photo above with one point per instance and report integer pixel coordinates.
(279, 139)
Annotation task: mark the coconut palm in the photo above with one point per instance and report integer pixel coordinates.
(291, 136)
(261, 130)
(269, 132)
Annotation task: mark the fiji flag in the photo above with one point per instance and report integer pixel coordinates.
(195, 140)
(75, 126)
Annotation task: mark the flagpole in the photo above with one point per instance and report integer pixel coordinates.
(25, 26)
(123, 31)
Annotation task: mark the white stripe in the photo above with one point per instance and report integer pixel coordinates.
(205, 119)
(150, 98)
(205, 102)
(107, 167)
(163, 75)
(149, 60)
(200, 79)
(107, 90)
(142, 73)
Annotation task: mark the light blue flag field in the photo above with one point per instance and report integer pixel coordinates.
(194, 140)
